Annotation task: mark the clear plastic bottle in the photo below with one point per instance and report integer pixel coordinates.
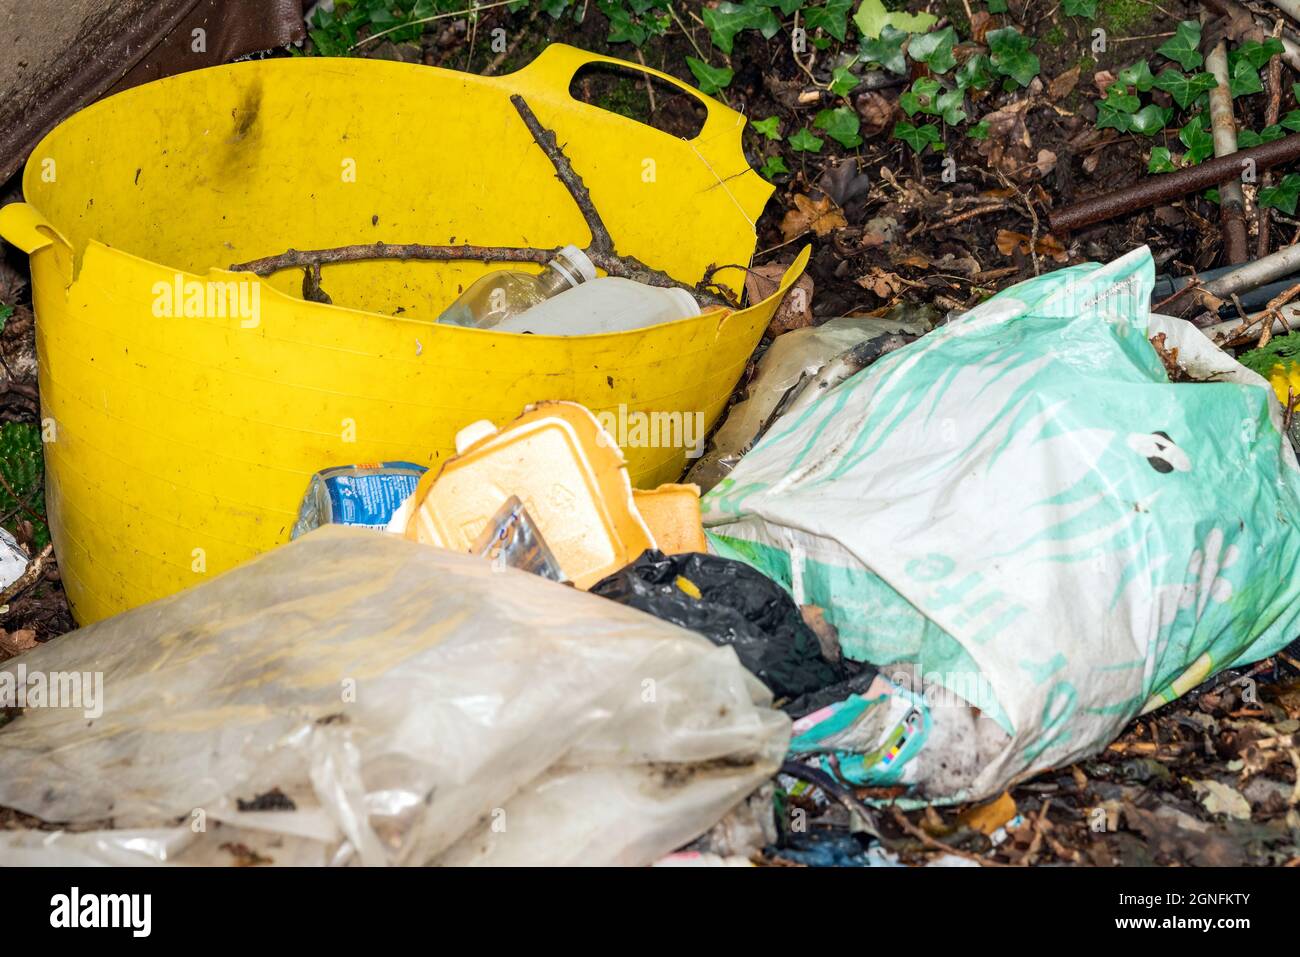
(608, 304)
(505, 293)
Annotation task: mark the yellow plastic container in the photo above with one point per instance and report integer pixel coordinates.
(565, 469)
(180, 445)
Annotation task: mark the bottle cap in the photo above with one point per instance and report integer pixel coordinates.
(575, 265)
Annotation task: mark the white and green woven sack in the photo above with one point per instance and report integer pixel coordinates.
(1024, 509)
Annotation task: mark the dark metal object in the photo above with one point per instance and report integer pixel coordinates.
(1166, 186)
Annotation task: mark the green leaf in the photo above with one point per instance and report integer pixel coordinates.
(1161, 161)
(770, 127)
(1184, 46)
(775, 166)
(841, 125)
(935, 49)
(711, 79)
(1244, 80)
(1150, 120)
(1248, 138)
(949, 106)
(1283, 196)
(1137, 75)
(843, 81)
(1080, 8)
(1292, 120)
(1197, 139)
(920, 98)
(886, 50)
(976, 73)
(833, 18)
(918, 137)
(727, 19)
(1255, 53)
(1011, 56)
(980, 131)
(997, 6)
(1183, 88)
(805, 142)
(872, 18)
(1119, 98)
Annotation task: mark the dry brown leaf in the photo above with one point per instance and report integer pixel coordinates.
(820, 215)
(1046, 162)
(16, 642)
(987, 818)
(1102, 79)
(883, 283)
(1064, 84)
(1008, 143)
(980, 21)
(1008, 242)
(795, 310)
(876, 111)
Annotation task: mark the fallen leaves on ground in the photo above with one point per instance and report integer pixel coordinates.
(819, 216)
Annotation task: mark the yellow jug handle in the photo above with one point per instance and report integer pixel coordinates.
(556, 66)
(23, 225)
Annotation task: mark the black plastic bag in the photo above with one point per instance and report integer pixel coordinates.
(729, 603)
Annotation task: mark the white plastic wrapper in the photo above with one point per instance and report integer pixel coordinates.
(413, 705)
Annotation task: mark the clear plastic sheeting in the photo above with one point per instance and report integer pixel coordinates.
(355, 698)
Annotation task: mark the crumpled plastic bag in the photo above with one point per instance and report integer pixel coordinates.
(414, 705)
(730, 604)
(1023, 510)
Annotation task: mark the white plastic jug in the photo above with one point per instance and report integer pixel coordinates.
(609, 304)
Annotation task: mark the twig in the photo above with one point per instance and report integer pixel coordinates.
(437, 16)
(1223, 124)
(19, 501)
(600, 250)
(901, 819)
(505, 54)
(1274, 108)
(30, 574)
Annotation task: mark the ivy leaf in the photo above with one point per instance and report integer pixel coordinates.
(1197, 139)
(775, 166)
(920, 98)
(1183, 88)
(1150, 120)
(770, 127)
(1119, 98)
(1184, 46)
(918, 137)
(935, 49)
(712, 79)
(1080, 8)
(1248, 138)
(1011, 56)
(1138, 76)
(976, 73)
(980, 131)
(843, 81)
(1283, 196)
(997, 6)
(727, 19)
(1161, 161)
(949, 106)
(833, 18)
(886, 50)
(1244, 80)
(872, 18)
(805, 142)
(841, 125)
(1255, 53)
(1292, 120)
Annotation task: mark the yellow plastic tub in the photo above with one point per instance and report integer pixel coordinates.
(180, 445)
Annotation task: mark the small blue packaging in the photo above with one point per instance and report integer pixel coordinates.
(366, 495)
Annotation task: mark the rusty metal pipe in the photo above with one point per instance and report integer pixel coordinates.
(1166, 186)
